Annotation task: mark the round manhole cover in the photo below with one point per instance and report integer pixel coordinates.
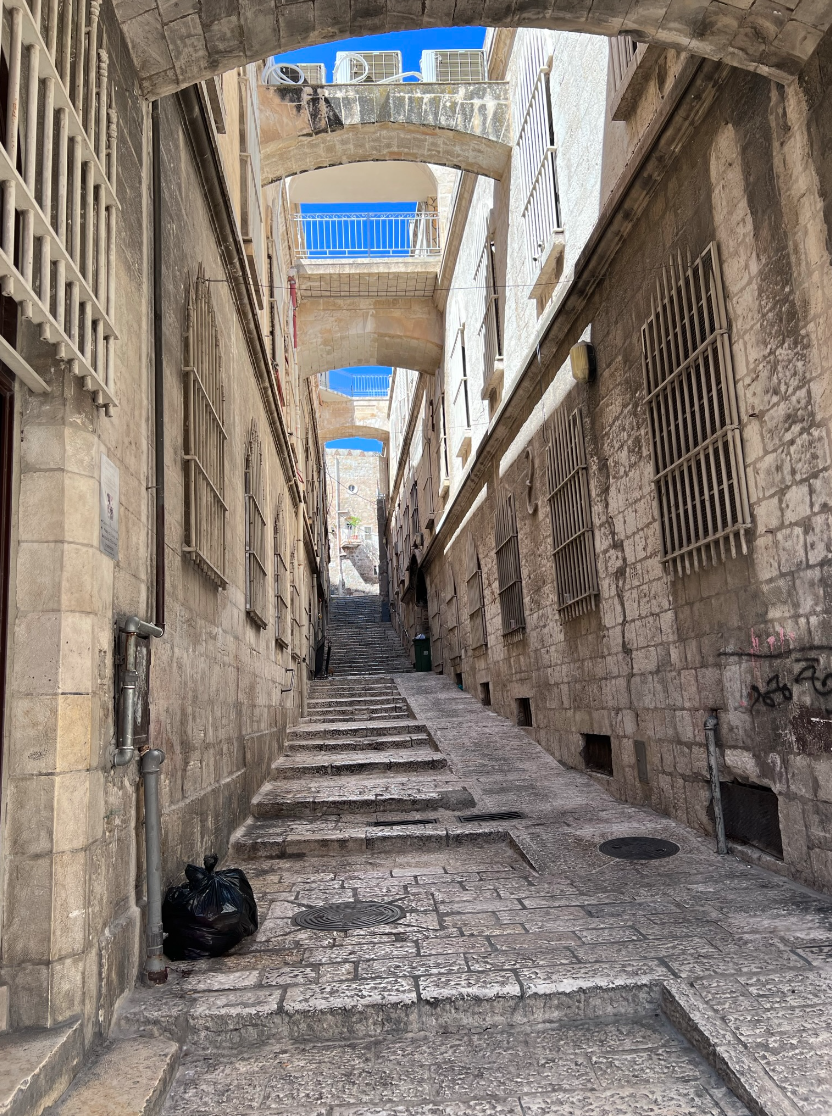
(638, 848)
(348, 916)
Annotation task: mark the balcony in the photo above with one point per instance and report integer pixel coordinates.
(366, 255)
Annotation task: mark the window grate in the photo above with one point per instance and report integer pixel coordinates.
(295, 607)
(509, 576)
(255, 532)
(485, 289)
(476, 599)
(459, 376)
(204, 436)
(281, 576)
(623, 49)
(537, 154)
(698, 464)
(435, 629)
(573, 548)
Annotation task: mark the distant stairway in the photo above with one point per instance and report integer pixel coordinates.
(362, 643)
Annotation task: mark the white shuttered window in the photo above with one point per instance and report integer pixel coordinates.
(536, 152)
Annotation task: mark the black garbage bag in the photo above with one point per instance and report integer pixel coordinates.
(210, 914)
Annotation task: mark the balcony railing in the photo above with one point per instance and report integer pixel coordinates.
(371, 236)
(357, 385)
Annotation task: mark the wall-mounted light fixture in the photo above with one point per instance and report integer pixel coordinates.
(582, 361)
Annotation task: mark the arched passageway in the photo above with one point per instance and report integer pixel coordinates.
(305, 129)
(174, 46)
(336, 335)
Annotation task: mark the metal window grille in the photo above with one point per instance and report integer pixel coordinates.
(255, 531)
(623, 49)
(536, 153)
(453, 65)
(281, 577)
(573, 548)
(444, 471)
(295, 607)
(435, 620)
(414, 509)
(452, 614)
(695, 443)
(58, 173)
(476, 598)
(485, 287)
(427, 485)
(509, 576)
(204, 435)
(459, 373)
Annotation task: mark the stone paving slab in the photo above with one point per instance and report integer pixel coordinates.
(372, 762)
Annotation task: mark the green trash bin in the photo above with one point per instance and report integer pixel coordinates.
(421, 651)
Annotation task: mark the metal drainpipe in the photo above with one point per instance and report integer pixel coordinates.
(158, 368)
(711, 725)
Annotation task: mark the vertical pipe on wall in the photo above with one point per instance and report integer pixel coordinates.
(711, 725)
(158, 368)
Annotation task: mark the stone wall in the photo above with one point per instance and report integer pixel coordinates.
(72, 836)
(353, 480)
(661, 651)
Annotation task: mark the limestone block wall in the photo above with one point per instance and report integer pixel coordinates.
(660, 652)
(72, 839)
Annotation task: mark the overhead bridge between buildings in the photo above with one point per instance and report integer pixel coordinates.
(304, 128)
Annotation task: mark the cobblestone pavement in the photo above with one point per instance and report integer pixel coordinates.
(531, 974)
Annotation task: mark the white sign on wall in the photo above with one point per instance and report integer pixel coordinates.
(109, 508)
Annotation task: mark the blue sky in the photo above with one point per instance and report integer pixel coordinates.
(410, 43)
(368, 444)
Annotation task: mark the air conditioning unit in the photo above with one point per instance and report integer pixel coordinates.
(449, 66)
(314, 72)
(294, 73)
(366, 66)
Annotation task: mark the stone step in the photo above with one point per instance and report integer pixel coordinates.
(37, 1066)
(355, 710)
(331, 730)
(272, 838)
(374, 743)
(131, 1078)
(358, 763)
(296, 798)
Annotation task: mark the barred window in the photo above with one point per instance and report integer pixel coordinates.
(509, 577)
(485, 288)
(573, 548)
(281, 578)
(295, 607)
(691, 401)
(414, 509)
(204, 435)
(255, 531)
(452, 616)
(476, 599)
(536, 152)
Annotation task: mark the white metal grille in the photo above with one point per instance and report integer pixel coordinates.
(576, 577)
(694, 426)
(536, 153)
(281, 578)
(459, 377)
(313, 72)
(623, 49)
(256, 578)
(452, 617)
(205, 437)
(453, 65)
(476, 599)
(295, 606)
(58, 175)
(509, 577)
(485, 287)
(444, 468)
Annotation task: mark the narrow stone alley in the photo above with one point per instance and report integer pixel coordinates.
(523, 971)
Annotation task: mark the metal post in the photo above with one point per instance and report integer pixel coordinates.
(711, 726)
(155, 967)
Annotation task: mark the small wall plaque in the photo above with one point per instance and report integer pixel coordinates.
(109, 508)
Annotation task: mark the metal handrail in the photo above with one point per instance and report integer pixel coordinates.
(366, 235)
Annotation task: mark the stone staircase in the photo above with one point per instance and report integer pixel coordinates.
(362, 643)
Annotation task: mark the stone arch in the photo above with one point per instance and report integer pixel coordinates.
(354, 430)
(306, 129)
(174, 46)
(342, 336)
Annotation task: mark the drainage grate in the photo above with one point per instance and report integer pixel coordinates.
(638, 848)
(405, 821)
(497, 815)
(348, 916)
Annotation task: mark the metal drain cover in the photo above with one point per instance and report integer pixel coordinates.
(638, 848)
(348, 916)
(495, 815)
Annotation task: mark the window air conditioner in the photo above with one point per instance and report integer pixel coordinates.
(366, 66)
(453, 65)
